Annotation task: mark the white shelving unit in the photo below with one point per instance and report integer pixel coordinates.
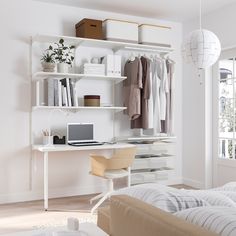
(40, 75)
(154, 161)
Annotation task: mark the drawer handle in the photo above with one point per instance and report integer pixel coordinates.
(93, 25)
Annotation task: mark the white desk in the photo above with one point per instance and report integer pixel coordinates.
(63, 148)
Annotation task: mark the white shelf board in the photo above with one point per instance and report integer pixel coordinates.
(34, 108)
(147, 170)
(45, 75)
(143, 138)
(114, 45)
(55, 38)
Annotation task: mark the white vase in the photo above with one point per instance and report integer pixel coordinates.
(62, 68)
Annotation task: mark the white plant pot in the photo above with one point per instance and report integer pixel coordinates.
(62, 68)
(48, 140)
(48, 66)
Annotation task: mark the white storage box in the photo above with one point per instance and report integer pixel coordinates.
(155, 35)
(162, 175)
(93, 69)
(164, 148)
(117, 30)
(149, 163)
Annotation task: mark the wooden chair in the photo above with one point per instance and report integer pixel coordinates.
(110, 168)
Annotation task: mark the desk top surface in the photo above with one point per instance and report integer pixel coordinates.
(61, 148)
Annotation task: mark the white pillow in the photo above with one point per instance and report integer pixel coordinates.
(229, 194)
(221, 220)
(166, 198)
(215, 198)
(231, 186)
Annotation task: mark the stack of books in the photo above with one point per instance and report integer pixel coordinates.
(93, 69)
(62, 93)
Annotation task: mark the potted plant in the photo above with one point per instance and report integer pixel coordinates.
(48, 60)
(64, 55)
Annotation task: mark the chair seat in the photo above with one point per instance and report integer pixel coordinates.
(113, 174)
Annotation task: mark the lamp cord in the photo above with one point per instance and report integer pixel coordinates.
(200, 14)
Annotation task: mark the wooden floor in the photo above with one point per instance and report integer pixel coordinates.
(30, 215)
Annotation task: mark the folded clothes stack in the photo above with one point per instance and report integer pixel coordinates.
(94, 69)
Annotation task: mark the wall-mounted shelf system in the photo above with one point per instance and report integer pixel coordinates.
(113, 45)
(45, 75)
(39, 76)
(79, 108)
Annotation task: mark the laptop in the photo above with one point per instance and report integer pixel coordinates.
(81, 134)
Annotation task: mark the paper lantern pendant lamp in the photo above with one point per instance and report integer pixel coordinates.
(202, 48)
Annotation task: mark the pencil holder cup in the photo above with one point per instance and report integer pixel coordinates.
(47, 140)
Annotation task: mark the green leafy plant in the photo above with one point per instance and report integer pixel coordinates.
(64, 53)
(49, 55)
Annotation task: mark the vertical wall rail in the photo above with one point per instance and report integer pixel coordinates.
(45, 179)
(30, 115)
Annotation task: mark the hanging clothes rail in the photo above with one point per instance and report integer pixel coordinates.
(148, 94)
(161, 50)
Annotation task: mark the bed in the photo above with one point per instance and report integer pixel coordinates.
(160, 210)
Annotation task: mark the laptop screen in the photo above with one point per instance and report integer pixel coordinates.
(79, 132)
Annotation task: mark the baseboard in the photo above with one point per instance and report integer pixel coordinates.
(175, 181)
(193, 183)
(53, 193)
(64, 192)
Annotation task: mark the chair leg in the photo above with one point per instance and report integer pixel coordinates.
(96, 197)
(101, 201)
(111, 186)
(106, 195)
(129, 176)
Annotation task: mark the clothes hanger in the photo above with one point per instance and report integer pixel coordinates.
(168, 58)
(132, 57)
(162, 56)
(157, 57)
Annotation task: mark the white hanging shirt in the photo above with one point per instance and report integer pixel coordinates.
(156, 83)
(164, 88)
(150, 100)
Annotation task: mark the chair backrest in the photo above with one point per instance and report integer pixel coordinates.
(121, 159)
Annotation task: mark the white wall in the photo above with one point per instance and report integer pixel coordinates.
(197, 102)
(21, 173)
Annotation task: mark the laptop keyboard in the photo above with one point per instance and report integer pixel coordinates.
(88, 143)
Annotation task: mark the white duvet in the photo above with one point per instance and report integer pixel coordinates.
(221, 220)
(213, 209)
(166, 198)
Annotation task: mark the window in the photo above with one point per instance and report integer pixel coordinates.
(227, 108)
